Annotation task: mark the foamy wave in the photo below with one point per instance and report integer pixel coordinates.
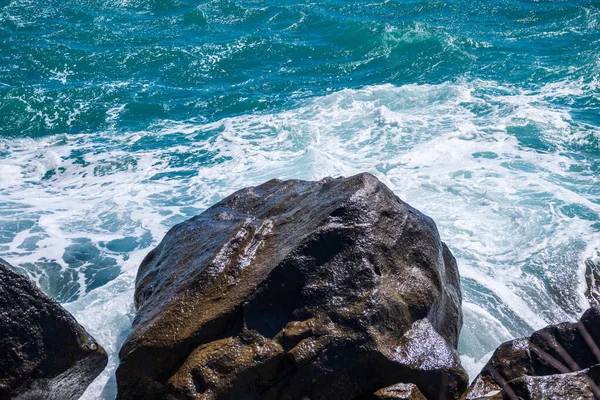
(490, 163)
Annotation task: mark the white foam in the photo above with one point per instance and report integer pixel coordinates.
(504, 208)
(481, 332)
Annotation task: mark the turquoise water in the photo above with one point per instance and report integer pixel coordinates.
(121, 118)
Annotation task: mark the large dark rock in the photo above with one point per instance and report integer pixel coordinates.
(291, 290)
(44, 353)
(557, 362)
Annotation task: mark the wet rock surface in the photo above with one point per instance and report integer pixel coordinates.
(44, 352)
(575, 385)
(557, 362)
(291, 290)
(399, 391)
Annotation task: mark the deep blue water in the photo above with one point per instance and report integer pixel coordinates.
(121, 118)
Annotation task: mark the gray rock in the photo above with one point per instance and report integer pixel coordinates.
(289, 290)
(44, 353)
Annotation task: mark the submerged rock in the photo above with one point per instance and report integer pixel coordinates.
(557, 362)
(297, 290)
(44, 353)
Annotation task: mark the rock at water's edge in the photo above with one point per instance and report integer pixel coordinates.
(44, 353)
(326, 290)
(577, 385)
(557, 362)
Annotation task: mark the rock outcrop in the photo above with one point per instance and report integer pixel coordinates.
(297, 290)
(44, 353)
(558, 362)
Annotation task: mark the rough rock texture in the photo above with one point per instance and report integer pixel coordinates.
(399, 391)
(44, 352)
(557, 362)
(575, 385)
(291, 290)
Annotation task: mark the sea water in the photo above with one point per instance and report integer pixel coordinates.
(121, 118)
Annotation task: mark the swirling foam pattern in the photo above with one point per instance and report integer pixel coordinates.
(121, 118)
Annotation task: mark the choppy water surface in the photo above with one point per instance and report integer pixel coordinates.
(121, 118)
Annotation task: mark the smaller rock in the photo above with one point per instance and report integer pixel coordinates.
(44, 353)
(400, 391)
(553, 363)
(579, 385)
